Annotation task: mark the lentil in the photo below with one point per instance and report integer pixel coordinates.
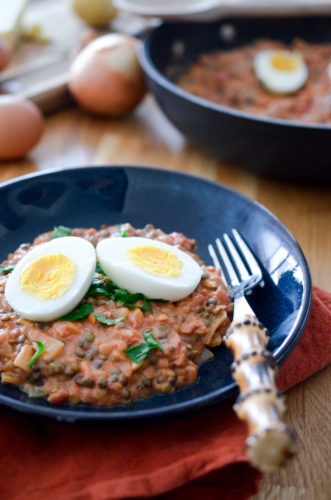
(81, 342)
(146, 383)
(97, 365)
(102, 382)
(126, 394)
(80, 353)
(88, 382)
(89, 337)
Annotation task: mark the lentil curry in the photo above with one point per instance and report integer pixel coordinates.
(228, 78)
(89, 361)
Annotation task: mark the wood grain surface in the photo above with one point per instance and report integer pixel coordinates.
(75, 138)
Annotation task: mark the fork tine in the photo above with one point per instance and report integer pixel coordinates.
(251, 261)
(214, 257)
(244, 275)
(230, 270)
(217, 263)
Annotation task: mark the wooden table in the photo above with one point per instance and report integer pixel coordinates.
(74, 138)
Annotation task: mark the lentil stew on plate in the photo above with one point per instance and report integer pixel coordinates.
(117, 351)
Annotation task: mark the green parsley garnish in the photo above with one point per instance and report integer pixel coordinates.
(106, 287)
(108, 321)
(6, 270)
(130, 299)
(60, 231)
(98, 269)
(125, 232)
(152, 342)
(36, 355)
(81, 312)
(139, 352)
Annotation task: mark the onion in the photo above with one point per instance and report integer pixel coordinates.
(97, 13)
(106, 77)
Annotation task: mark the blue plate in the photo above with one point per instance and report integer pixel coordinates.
(89, 197)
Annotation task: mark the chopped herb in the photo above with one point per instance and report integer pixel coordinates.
(139, 352)
(125, 232)
(163, 301)
(99, 287)
(108, 321)
(36, 355)
(6, 270)
(81, 312)
(60, 231)
(98, 269)
(130, 299)
(152, 342)
(106, 287)
(146, 306)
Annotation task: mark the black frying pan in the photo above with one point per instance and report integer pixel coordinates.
(280, 148)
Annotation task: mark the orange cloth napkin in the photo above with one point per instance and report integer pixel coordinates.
(197, 456)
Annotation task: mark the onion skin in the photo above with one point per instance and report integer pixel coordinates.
(21, 126)
(106, 77)
(5, 54)
(97, 13)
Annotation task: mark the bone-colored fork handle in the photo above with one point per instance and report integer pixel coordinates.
(270, 442)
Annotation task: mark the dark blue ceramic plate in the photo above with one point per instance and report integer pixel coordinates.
(173, 201)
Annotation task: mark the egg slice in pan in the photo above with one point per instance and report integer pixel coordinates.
(51, 279)
(281, 71)
(154, 268)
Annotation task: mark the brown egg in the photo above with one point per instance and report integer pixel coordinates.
(106, 77)
(21, 125)
(5, 54)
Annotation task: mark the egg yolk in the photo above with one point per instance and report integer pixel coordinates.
(48, 277)
(284, 61)
(155, 261)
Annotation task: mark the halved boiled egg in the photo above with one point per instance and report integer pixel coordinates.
(281, 71)
(154, 268)
(51, 279)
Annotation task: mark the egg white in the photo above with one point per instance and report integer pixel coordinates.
(77, 249)
(111, 255)
(279, 81)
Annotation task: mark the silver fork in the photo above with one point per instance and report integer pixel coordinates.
(241, 281)
(270, 442)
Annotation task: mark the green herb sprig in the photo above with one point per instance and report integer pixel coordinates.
(60, 231)
(139, 352)
(81, 312)
(106, 287)
(6, 269)
(36, 355)
(125, 232)
(108, 321)
(98, 269)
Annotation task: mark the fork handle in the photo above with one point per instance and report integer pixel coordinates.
(270, 441)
